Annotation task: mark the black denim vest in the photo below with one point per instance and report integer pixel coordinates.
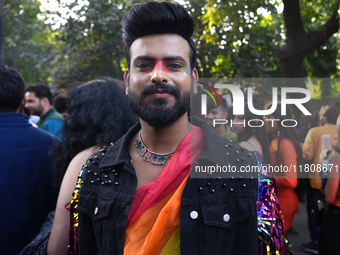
(217, 215)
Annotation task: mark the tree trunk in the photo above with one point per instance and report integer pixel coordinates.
(2, 31)
(299, 42)
(293, 66)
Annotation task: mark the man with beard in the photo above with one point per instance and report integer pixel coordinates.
(39, 102)
(27, 191)
(136, 196)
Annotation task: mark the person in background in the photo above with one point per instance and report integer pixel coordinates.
(98, 115)
(285, 150)
(39, 102)
(252, 138)
(24, 110)
(329, 234)
(311, 151)
(218, 111)
(256, 139)
(230, 117)
(27, 192)
(336, 103)
(303, 125)
(60, 102)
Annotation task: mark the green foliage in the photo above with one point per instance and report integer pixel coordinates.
(28, 41)
(315, 13)
(237, 38)
(234, 39)
(91, 43)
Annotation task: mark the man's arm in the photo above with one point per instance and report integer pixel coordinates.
(308, 149)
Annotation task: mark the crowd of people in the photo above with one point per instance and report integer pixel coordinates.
(121, 160)
(300, 147)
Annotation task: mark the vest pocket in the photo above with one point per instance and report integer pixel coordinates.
(96, 206)
(227, 212)
(229, 225)
(95, 211)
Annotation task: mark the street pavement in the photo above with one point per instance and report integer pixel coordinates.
(301, 226)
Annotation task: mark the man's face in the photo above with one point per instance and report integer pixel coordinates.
(160, 78)
(216, 113)
(33, 104)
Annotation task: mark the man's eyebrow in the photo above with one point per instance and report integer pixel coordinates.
(143, 58)
(170, 58)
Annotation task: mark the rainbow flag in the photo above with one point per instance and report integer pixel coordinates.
(153, 225)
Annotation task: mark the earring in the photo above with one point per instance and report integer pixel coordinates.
(278, 133)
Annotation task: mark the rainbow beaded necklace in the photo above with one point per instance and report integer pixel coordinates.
(157, 158)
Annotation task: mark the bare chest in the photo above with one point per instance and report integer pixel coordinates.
(145, 171)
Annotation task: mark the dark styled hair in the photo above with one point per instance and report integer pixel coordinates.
(98, 114)
(332, 114)
(157, 18)
(60, 103)
(291, 133)
(12, 89)
(259, 132)
(211, 103)
(40, 90)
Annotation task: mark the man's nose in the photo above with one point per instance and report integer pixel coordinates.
(159, 73)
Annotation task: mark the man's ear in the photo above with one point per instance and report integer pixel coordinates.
(45, 101)
(22, 105)
(126, 80)
(194, 75)
(23, 102)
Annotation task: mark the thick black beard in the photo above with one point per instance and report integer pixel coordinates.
(160, 114)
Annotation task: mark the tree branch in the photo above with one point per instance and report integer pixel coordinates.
(293, 21)
(304, 43)
(10, 7)
(318, 37)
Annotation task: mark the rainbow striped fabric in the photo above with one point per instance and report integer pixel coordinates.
(153, 225)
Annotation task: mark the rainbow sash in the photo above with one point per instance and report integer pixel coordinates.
(153, 225)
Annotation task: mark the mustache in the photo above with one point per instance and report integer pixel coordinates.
(147, 89)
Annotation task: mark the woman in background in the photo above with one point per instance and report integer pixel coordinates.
(252, 132)
(98, 114)
(285, 151)
(252, 138)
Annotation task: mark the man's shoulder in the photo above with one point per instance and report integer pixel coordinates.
(39, 135)
(53, 122)
(52, 114)
(314, 131)
(221, 150)
(96, 160)
(325, 129)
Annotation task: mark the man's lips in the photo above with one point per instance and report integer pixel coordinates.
(160, 93)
